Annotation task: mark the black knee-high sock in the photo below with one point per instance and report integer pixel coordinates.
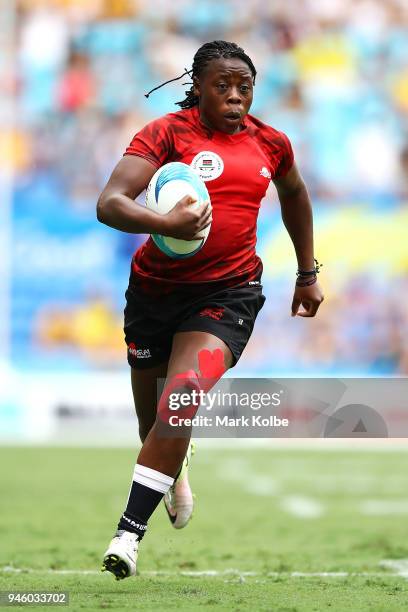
(146, 492)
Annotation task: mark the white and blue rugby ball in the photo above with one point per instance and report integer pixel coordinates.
(167, 186)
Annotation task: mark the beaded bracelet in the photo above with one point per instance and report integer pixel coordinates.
(313, 272)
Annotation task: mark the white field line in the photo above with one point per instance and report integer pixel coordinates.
(261, 485)
(305, 507)
(358, 445)
(240, 471)
(302, 506)
(299, 444)
(384, 507)
(400, 567)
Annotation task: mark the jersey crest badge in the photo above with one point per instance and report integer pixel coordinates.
(207, 165)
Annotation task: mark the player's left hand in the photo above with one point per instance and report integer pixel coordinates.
(309, 297)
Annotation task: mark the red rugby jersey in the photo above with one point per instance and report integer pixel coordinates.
(236, 169)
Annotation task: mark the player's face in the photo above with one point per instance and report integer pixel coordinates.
(225, 88)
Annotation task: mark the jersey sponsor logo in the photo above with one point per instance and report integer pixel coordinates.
(207, 165)
(138, 353)
(213, 313)
(265, 172)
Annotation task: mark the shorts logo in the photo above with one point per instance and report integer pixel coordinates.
(213, 313)
(207, 165)
(139, 353)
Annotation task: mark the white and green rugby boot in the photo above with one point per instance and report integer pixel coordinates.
(179, 500)
(121, 555)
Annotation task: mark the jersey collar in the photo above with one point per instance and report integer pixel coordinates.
(217, 134)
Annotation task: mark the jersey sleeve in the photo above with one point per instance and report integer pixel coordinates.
(287, 157)
(154, 142)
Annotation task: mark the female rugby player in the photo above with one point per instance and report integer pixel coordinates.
(188, 320)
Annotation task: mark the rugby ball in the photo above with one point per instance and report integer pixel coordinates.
(167, 186)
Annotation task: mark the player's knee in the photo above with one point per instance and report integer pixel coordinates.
(181, 396)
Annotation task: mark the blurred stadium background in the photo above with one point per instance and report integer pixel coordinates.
(332, 74)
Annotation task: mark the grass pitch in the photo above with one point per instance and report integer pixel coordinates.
(281, 530)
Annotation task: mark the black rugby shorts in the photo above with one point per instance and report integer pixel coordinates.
(152, 320)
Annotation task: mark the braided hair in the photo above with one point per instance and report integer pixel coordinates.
(207, 52)
(210, 51)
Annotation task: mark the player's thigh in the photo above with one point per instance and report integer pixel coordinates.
(145, 394)
(190, 347)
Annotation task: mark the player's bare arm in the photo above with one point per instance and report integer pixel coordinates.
(298, 219)
(116, 205)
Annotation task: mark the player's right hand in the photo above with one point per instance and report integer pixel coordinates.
(185, 221)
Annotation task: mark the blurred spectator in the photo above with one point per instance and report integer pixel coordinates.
(92, 329)
(404, 171)
(332, 74)
(77, 86)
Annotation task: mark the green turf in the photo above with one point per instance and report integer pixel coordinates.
(59, 508)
